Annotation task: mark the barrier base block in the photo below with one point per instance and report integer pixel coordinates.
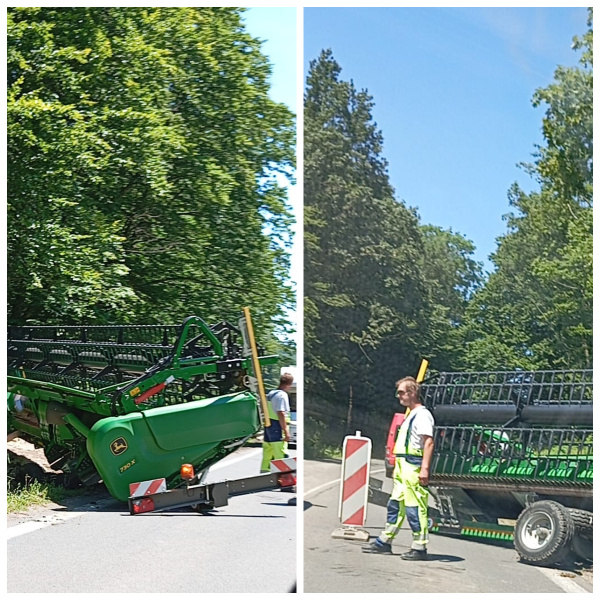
(351, 533)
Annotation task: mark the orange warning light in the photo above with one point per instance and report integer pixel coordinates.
(187, 471)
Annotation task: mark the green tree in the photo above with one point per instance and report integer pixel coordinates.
(452, 276)
(143, 155)
(354, 280)
(381, 290)
(536, 309)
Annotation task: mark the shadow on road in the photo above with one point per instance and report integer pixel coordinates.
(572, 565)
(204, 514)
(100, 501)
(445, 558)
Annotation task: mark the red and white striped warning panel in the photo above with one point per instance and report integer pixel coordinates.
(283, 465)
(354, 487)
(146, 488)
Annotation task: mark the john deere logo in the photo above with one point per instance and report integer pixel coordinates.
(118, 446)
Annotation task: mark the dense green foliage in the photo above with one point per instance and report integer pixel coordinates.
(383, 290)
(143, 153)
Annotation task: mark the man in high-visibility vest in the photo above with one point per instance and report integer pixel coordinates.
(277, 436)
(410, 496)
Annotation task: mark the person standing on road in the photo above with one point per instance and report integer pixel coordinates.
(410, 496)
(277, 436)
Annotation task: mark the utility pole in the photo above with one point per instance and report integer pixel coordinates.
(349, 409)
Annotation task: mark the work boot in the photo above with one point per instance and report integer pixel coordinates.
(377, 547)
(413, 554)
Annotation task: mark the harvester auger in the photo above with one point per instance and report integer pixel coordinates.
(125, 404)
(515, 446)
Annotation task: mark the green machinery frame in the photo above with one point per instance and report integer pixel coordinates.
(130, 403)
(506, 439)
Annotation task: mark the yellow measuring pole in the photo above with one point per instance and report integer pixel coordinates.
(420, 377)
(422, 369)
(256, 367)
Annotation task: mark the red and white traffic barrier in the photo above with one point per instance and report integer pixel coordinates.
(354, 486)
(147, 488)
(283, 465)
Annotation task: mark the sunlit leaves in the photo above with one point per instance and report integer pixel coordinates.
(142, 152)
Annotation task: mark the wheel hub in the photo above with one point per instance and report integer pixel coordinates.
(537, 531)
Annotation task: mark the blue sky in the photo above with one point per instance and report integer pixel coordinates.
(452, 90)
(276, 27)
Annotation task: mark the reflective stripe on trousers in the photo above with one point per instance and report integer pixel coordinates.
(409, 499)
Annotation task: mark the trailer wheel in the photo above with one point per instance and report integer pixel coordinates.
(583, 521)
(544, 533)
(584, 548)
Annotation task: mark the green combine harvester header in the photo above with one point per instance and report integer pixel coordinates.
(515, 446)
(125, 404)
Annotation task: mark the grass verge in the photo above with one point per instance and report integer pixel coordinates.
(35, 493)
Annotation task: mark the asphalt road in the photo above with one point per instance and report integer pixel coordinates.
(100, 547)
(454, 565)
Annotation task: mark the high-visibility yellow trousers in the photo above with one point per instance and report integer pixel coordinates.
(271, 451)
(408, 499)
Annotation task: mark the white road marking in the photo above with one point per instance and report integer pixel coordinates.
(54, 519)
(322, 487)
(30, 526)
(565, 583)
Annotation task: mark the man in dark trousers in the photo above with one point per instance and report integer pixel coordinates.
(278, 434)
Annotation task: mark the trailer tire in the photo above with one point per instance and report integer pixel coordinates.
(583, 548)
(583, 521)
(544, 533)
